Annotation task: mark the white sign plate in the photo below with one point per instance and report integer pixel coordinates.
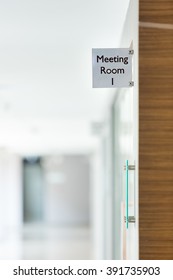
(112, 68)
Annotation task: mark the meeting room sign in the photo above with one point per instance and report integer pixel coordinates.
(112, 68)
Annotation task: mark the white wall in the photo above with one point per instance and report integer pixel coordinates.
(10, 189)
(97, 205)
(10, 205)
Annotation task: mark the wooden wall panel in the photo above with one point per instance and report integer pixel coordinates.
(156, 142)
(159, 11)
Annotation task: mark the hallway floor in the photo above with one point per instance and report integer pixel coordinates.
(43, 242)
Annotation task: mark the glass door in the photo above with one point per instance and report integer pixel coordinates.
(125, 231)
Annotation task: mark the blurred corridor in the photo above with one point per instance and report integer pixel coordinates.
(61, 196)
(48, 211)
(86, 129)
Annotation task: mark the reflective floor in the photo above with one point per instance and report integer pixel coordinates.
(37, 241)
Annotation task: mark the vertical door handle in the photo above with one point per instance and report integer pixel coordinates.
(128, 219)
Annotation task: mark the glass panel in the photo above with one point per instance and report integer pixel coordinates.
(123, 181)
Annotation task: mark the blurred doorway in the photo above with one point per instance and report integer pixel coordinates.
(56, 207)
(33, 190)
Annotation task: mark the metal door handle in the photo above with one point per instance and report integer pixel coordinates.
(128, 219)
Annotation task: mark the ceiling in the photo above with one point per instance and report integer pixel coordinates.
(47, 103)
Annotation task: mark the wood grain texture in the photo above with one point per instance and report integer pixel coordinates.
(159, 11)
(156, 142)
